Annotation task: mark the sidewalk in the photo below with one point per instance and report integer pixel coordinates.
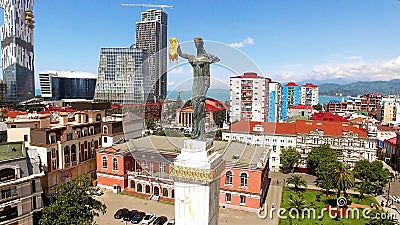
(392, 209)
(274, 198)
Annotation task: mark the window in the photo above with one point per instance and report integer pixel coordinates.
(242, 199)
(273, 159)
(243, 179)
(274, 148)
(105, 130)
(52, 139)
(104, 139)
(13, 126)
(91, 130)
(165, 192)
(115, 164)
(34, 202)
(228, 198)
(104, 163)
(163, 167)
(33, 184)
(25, 137)
(54, 164)
(53, 153)
(69, 136)
(7, 174)
(228, 179)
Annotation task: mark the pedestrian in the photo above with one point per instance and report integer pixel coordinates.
(273, 205)
(277, 181)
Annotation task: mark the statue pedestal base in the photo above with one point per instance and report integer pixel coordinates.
(196, 172)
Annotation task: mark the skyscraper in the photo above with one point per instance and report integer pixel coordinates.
(123, 76)
(151, 35)
(57, 85)
(17, 49)
(309, 94)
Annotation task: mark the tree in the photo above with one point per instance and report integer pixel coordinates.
(150, 124)
(74, 204)
(298, 181)
(373, 174)
(343, 179)
(289, 158)
(321, 154)
(297, 202)
(363, 187)
(317, 107)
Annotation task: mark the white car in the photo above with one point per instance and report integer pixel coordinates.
(171, 222)
(148, 219)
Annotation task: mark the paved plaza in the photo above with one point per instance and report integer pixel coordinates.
(117, 201)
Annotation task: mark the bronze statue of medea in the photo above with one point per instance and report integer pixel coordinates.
(201, 82)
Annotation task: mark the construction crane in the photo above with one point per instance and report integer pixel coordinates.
(150, 5)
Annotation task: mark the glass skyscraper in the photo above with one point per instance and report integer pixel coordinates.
(123, 76)
(59, 85)
(151, 35)
(17, 49)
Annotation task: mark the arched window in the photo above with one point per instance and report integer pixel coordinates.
(104, 162)
(172, 193)
(139, 188)
(147, 189)
(115, 164)
(132, 184)
(243, 179)
(66, 156)
(228, 178)
(105, 130)
(86, 118)
(165, 192)
(98, 117)
(73, 154)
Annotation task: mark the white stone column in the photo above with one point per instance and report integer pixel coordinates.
(196, 172)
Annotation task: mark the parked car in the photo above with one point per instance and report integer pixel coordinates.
(138, 217)
(128, 216)
(148, 219)
(160, 220)
(171, 222)
(120, 213)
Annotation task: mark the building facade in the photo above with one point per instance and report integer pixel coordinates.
(17, 49)
(58, 85)
(151, 36)
(20, 186)
(290, 97)
(274, 101)
(123, 76)
(248, 97)
(388, 110)
(351, 143)
(309, 94)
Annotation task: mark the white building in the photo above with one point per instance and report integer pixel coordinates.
(351, 143)
(309, 94)
(248, 97)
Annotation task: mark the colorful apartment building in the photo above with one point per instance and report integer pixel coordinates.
(309, 94)
(290, 97)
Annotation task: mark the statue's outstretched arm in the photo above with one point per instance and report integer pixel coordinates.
(183, 55)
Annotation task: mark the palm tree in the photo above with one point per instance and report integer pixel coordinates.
(297, 181)
(382, 220)
(343, 179)
(297, 202)
(363, 187)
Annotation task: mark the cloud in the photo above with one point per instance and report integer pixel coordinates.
(177, 71)
(353, 57)
(360, 70)
(171, 83)
(247, 41)
(295, 65)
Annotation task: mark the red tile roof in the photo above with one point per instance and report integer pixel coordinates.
(310, 85)
(300, 107)
(299, 127)
(248, 75)
(291, 84)
(328, 116)
(392, 141)
(14, 114)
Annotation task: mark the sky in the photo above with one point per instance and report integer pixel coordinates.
(287, 40)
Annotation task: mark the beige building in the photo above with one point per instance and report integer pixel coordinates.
(20, 199)
(66, 147)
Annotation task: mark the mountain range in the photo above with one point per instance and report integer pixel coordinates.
(391, 87)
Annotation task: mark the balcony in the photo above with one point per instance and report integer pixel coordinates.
(10, 200)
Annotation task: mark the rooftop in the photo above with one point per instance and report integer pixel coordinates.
(11, 150)
(71, 74)
(249, 75)
(291, 84)
(310, 85)
(245, 155)
(300, 106)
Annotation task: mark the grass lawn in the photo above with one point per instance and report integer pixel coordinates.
(311, 202)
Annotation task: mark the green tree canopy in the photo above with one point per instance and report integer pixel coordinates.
(317, 107)
(289, 158)
(321, 154)
(343, 179)
(74, 204)
(298, 181)
(372, 174)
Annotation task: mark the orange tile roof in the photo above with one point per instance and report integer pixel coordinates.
(330, 128)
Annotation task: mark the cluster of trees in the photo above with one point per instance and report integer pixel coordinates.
(74, 204)
(366, 177)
